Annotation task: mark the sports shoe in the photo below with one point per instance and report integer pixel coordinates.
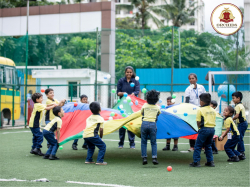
(89, 162)
(32, 151)
(101, 163)
(132, 147)
(203, 149)
(53, 157)
(144, 161)
(85, 146)
(167, 148)
(120, 146)
(215, 152)
(210, 164)
(234, 159)
(195, 164)
(175, 148)
(46, 156)
(74, 147)
(242, 156)
(155, 162)
(37, 151)
(191, 149)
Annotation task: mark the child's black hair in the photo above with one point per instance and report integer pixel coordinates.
(231, 109)
(206, 98)
(83, 96)
(48, 90)
(214, 103)
(95, 107)
(56, 110)
(36, 96)
(169, 98)
(152, 97)
(238, 95)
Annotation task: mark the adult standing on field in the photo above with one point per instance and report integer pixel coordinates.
(124, 86)
(192, 94)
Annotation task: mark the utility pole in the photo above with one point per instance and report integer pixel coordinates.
(172, 66)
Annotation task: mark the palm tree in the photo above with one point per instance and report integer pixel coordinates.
(145, 12)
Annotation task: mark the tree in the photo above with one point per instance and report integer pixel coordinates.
(125, 23)
(145, 12)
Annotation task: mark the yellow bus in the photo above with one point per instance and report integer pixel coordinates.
(8, 75)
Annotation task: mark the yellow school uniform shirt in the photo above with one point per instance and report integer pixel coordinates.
(229, 123)
(150, 112)
(240, 109)
(207, 116)
(36, 116)
(54, 124)
(49, 114)
(93, 124)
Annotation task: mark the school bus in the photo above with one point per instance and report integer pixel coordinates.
(8, 75)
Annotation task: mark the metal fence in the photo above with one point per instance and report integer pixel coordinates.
(16, 107)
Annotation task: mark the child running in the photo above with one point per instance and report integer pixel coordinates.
(150, 113)
(233, 138)
(84, 99)
(240, 117)
(91, 135)
(205, 118)
(167, 148)
(34, 123)
(49, 133)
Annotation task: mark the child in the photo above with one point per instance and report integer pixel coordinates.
(49, 133)
(84, 99)
(205, 118)
(240, 117)
(214, 104)
(34, 123)
(167, 148)
(150, 113)
(51, 101)
(90, 135)
(231, 143)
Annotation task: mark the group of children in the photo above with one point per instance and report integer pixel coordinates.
(206, 116)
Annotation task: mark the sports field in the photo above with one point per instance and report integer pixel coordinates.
(124, 165)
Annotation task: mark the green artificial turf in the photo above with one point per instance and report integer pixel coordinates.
(124, 165)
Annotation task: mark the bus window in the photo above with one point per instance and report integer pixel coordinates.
(1, 75)
(9, 76)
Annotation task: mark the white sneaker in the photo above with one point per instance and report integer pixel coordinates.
(191, 149)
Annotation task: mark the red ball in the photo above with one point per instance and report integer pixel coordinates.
(169, 168)
(75, 104)
(42, 90)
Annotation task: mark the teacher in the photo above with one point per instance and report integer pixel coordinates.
(124, 86)
(192, 94)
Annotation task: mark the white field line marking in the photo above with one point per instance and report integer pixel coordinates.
(8, 180)
(97, 184)
(111, 140)
(14, 132)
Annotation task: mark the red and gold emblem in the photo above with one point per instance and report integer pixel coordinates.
(226, 16)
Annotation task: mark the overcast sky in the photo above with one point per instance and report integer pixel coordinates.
(210, 6)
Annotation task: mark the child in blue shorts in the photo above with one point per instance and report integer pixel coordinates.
(149, 112)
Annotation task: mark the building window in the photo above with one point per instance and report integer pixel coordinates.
(1, 75)
(92, 1)
(9, 76)
(73, 90)
(192, 13)
(117, 1)
(126, 11)
(118, 11)
(191, 2)
(192, 23)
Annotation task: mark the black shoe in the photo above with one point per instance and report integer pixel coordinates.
(155, 162)
(74, 147)
(175, 148)
(37, 151)
(51, 157)
(234, 159)
(48, 145)
(32, 151)
(215, 152)
(195, 164)
(144, 161)
(210, 164)
(46, 157)
(85, 146)
(167, 148)
(242, 156)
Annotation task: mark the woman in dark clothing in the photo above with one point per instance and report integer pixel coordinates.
(124, 86)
